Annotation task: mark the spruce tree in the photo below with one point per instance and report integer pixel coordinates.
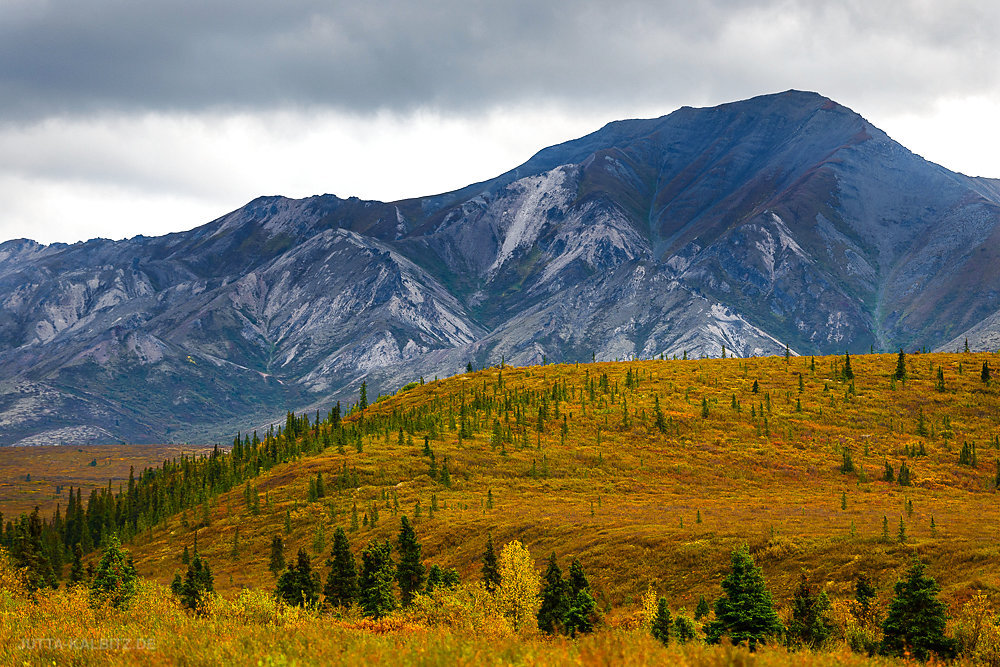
(660, 628)
(185, 556)
(435, 576)
(27, 552)
(277, 560)
(342, 583)
(810, 624)
(900, 373)
(579, 617)
(114, 580)
(410, 571)
(554, 604)
(198, 585)
(363, 396)
(916, 619)
(375, 583)
(702, 610)
(864, 593)
(904, 474)
(684, 628)
(745, 612)
(660, 422)
(848, 371)
(76, 573)
(491, 571)
(299, 585)
(985, 374)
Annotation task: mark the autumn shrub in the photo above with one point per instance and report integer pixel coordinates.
(977, 631)
(13, 586)
(467, 608)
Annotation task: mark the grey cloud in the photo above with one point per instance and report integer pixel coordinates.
(66, 57)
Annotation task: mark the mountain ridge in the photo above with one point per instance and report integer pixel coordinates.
(783, 220)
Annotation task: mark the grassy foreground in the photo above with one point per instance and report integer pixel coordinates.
(60, 628)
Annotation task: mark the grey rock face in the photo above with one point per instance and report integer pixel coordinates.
(782, 220)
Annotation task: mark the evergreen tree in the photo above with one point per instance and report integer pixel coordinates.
(900, 373)
(660, 422)
(702, 610)
(904, 474)
(444, 477)
(661, 622)
(684, 628)
(435, 577)
(579, 617)
(888, 475)
(198, 585)
(554, 604)
(185, 556)
(375, 584)
(745, 612)
(810, 623)
(847, 461)
(450, 578)
(115, 578)
(363, 396)
(756, 387)
(342, 583)
(27, 552)
(298, 585)
(916, 619)
(410, 571)
(277, 561)
(76, 573)
(177, 585)
(864, 593)
(848, 371)
(491, 571)
(985, 374)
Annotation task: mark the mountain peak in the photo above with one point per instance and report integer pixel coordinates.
(782, 220)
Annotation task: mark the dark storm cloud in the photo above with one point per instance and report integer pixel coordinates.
(66, 57)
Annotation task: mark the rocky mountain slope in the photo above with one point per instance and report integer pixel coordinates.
(781, 220)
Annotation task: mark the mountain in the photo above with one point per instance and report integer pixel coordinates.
(783, 220)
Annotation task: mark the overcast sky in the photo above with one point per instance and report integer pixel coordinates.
(125, 117)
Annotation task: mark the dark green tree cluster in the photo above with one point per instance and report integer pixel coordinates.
(175, 487)
(299, 585)
(810, 625)
(195, 589)
(568, 605)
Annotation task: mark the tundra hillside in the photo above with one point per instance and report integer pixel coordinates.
(650, 473)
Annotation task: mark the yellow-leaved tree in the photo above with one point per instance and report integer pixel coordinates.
(519, 586)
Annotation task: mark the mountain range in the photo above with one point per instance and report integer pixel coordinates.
(783, 221)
